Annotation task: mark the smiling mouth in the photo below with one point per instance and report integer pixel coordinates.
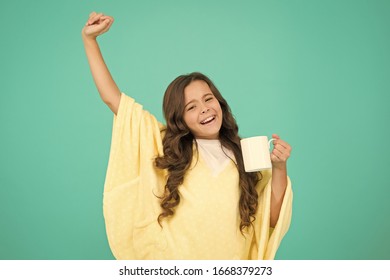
(208, 120)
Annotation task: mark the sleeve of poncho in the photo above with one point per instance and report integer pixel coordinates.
(132, 181)
(268, 239)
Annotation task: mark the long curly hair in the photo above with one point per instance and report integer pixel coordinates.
(178, 149)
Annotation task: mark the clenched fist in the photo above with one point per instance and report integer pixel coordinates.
(96, 25)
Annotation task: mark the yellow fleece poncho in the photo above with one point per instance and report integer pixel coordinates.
(206, 221)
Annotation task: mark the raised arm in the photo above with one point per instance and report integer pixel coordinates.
(96, 25)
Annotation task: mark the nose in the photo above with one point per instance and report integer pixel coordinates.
(205, 109)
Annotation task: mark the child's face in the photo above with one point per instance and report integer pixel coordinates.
(202, 112)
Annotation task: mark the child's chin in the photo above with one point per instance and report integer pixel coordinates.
(210, 135)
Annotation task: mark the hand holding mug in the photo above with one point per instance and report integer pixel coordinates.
(280, 153)
(256, 154)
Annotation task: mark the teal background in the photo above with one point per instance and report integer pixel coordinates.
(315, 72)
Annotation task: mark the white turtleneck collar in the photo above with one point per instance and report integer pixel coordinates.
(214, 155)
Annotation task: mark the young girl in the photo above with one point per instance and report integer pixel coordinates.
(180, 191)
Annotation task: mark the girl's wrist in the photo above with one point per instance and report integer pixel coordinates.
(279, 167)
(87, 38)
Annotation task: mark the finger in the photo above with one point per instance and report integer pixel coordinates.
(280, 148)
(282, 143)
(274, 158)
(279, 155)
(103, 17)
(110, 20)
(93, 19)
(275, 138)
(285, 150)
(101, 23)
(96, 18)
(107, 25)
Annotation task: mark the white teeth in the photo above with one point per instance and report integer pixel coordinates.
(207, 120)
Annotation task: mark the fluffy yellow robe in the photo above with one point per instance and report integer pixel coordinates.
(206, 222)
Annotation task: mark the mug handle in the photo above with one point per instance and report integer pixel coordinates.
(269, 142)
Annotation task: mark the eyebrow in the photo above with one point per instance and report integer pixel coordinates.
(206, 94)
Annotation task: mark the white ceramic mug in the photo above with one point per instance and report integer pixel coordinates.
(256, 154)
